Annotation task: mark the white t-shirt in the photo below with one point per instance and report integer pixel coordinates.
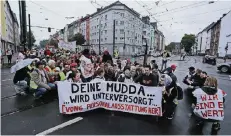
(209, 106)
(8, 52)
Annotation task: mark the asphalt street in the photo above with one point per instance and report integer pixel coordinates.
(26, 116)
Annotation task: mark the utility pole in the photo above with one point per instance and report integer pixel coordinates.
(20, 19)
(146, 51)
(29, 44)
(113, 47)
(124, 44)
(24, 29)
(99, 38)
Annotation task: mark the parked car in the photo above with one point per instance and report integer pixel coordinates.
(224, 67)
(209, 59)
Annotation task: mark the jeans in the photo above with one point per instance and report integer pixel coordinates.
(164, 64)
(41, 91)
(21, 86)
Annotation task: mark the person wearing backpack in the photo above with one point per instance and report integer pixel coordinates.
(173, 93)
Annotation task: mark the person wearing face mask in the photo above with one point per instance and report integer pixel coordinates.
(126, 76)
(147, 79)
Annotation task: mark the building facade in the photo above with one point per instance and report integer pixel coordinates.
(225, 35)
(130, 30)
(9, 28)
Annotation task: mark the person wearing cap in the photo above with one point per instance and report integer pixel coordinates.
(170, 70)
(40, 81)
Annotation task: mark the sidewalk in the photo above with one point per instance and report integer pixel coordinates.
(13, 61)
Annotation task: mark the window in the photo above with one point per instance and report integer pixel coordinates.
(121, 38)
(121, 22)
(105, 31)
(97, 26)
(116, 30)
(121, 31)
(102, 40)
(105, 17)
(105, 24)
(116, 22)
(105, 39)
(122, 14)
(97, 40)
(116, 38)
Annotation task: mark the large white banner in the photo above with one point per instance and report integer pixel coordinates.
(67, 45)
(129, 97)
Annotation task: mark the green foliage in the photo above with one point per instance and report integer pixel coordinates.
(32, 38)
(43, 43)
(187, 41)
(54, 42)
(170, 47)
(79, 38)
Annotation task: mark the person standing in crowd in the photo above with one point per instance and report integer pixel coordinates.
(164, 56)
(147, 79)
(107, 57)
(9, 55)
(40, 81)
(210, 89)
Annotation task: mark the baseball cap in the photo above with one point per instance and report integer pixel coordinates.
(173, 66)
(191, 68)
(73, 64)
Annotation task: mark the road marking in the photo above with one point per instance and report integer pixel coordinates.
(46, 132)
(6, 80)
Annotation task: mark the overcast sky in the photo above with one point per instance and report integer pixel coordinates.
(178, 17)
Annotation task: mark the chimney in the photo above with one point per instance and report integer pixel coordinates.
(224, 15)
(98, 9)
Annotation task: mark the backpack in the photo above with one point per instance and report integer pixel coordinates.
(180, 93)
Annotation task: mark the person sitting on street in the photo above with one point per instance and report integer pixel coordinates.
(40, 80)
(99, 75)
(170, 70)
(169, 96)
(20, 80)
(126, 76)
(147, 79)
(51, 70)
(197, 80)
(209, 89)
(62, 74)
(74, 77)
(189, 76)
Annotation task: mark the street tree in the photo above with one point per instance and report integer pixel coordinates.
(187, 41)
(170, 47)
(32, 38)
(54, 42)
(79, 38)
(43, 43)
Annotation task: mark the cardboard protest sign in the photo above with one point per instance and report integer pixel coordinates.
(86, 67)
(209, 106)
(129, 97)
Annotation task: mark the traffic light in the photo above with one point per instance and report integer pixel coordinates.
(49, 29)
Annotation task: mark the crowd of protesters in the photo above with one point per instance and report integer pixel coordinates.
(41, 75)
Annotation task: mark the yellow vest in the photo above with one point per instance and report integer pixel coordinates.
(33, 85)
(62, 76)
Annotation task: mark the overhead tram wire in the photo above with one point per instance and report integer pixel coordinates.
(47, 9)
(189, 6)
(192, 16)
